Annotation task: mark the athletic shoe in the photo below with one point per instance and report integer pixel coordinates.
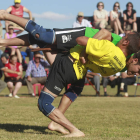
(10, 95)
(16, 96)
(105, 94)
(33, 94)
(97, 94)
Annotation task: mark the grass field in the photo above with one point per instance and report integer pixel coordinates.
(107, 118)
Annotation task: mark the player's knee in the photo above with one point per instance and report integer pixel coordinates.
(45, 103)
(39, 33)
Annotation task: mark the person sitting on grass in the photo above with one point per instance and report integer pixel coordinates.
(13, 79)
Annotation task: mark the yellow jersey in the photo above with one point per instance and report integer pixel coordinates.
(103, 57)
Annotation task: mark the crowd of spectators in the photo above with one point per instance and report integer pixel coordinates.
(103, 19)
(13, 61)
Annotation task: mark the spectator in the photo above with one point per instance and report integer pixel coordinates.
(13, 79)
(112, 81)
(126, 80)
(80, 22)
(30, 53)
(17, 9)
(3, 61)
(12, 34)
(1, 30)
(35, 72)
(100, 16)
(95, 79)
(115, 14)
(129, 16)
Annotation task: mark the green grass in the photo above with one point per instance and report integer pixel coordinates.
(107, 118)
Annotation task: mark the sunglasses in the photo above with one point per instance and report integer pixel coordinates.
(10, 28)
(129, 6)
(100, 5)
(116, 6)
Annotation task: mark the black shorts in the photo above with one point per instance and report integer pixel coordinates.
(66, 38)
(61, 74)
(12, 79)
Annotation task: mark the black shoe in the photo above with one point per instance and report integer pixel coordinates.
(97, 94)
(105, 94)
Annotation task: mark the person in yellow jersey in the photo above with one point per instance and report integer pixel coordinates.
(101, 56)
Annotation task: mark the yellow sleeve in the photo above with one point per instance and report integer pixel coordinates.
(98, 48)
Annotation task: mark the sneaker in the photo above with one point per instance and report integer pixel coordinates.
(33, 94)
(126, 94)
(16, 96)
(10, 95)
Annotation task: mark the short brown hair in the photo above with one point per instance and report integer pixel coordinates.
(133, 45)
(99, 3)
(10, 25)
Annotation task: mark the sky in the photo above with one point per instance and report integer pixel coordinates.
(62, 13)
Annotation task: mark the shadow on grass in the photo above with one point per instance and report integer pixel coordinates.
(21, 128)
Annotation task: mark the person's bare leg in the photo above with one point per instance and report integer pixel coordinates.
(10, 86)
(119, 25)
(135, 26)
(50, 56)
(65, 101)
(17, 87)
(18, 41)
(18, 20)
(116, 28)
(58, 117)
(63, 106)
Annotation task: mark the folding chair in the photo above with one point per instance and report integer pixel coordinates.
(137, 84)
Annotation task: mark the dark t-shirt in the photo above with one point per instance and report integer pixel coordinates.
(1, 66)
(129, 16)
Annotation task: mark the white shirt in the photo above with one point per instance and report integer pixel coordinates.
(100, 14)
(84, 23)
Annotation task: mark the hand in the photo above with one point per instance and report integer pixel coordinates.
(29, 79)
(39, 55)
(0, 24)
(19, 73)
(17, 78)
(130, 20)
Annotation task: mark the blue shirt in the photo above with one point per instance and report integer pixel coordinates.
(36, 72)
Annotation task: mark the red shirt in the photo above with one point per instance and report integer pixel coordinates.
(17, 11)
(8, 65)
